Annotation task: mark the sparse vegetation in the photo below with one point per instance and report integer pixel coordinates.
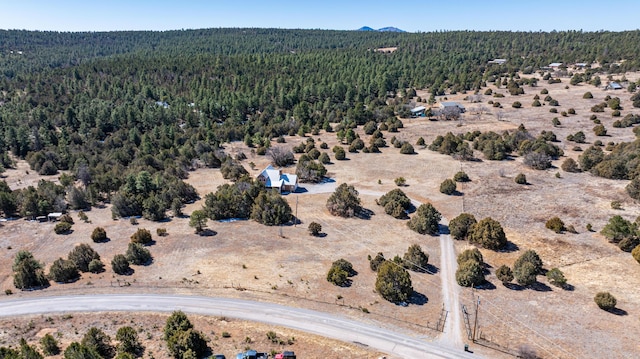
(605, 300)
(460, 227)
(340, 272)
(344, 202)
(99, 235)
(448, 187)
(315, 229)
(425, 220)
(488, 233)
(555, 224)
(393, 282)
(395, 203)
(504, 274)
(470, 271)
(142, 236)
(415, 259)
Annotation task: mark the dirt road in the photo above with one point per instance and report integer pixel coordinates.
(397, 345)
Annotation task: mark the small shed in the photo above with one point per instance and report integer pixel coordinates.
(613, 86)
(54, 216)
(450, 105)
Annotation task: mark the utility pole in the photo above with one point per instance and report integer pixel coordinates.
(295, 222)
(475, 320)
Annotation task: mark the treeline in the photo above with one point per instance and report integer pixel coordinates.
(129, 114)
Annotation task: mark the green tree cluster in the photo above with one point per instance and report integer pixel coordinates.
(426, 220)
(395, 203)
(393, 282)
(183, 341)
(470, 270)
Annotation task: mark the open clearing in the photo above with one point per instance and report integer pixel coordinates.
(285, 265)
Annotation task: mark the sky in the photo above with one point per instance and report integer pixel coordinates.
(408, 15)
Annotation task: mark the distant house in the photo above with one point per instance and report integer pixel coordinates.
(555, 65)
(498, 61)
(418, 111)
(613, 86)
(452, 105)
(163, 104)
(273, 178)
(581, 65)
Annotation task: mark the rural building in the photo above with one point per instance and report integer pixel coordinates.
(555, 65)
(54, 216)
(162, 104)
(613, 86)
(498, 61)
(273, 178)
(418, 111)
(451, 105)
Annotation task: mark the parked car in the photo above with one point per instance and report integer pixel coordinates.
(286, 355)
(252, 354)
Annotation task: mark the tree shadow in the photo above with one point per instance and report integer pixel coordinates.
(431, 269)
(510, 247)
(486, 286)
(128, 272)
(418, 298)
(365, 213)
(443, 229)
(568, 287)
(207, 233)
(540, 287)
(513, 286)
(618, 311)
(321, 235)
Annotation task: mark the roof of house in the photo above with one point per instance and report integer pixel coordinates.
(498, 61)
(277, 180)
(451, 104)
(418, 109)
(615, 86)
(555, 64)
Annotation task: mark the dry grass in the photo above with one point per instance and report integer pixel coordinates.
(286, 265)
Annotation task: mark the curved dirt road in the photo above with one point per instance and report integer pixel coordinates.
(327, 325)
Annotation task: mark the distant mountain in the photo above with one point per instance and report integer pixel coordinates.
(391, 29)
(384, 29)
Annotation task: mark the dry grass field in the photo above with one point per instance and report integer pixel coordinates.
(285, 265)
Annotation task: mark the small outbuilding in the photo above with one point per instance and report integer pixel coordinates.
(613, 86)
(53, 217)
(452, 105)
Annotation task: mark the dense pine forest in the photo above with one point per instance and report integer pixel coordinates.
(127, 115)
